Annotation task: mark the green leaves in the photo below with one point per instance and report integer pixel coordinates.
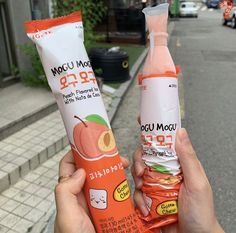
(96, 118)
(92, 11)
(161, 169)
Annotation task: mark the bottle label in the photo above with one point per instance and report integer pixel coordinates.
(160, 118)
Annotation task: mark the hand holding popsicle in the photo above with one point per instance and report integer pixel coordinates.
(195, 201)
(72, 210)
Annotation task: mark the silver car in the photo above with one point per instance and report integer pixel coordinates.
(188, 9)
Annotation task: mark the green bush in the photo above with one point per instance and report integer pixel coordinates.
(36, 76)
(92, 13)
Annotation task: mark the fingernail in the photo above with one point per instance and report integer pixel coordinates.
(138, 168)
(144, 210)
(183, 135)
(78, 173)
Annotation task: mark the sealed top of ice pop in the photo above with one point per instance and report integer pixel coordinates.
(156, 18)
(159, 61)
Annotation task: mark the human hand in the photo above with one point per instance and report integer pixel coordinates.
(72, 211)
(195, 201)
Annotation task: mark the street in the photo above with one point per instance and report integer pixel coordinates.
(206, 51)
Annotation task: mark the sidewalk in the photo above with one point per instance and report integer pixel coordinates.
(29, 163)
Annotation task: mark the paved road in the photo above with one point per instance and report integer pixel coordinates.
(207, 53)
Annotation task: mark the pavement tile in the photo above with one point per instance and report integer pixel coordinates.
(18, 142)
(4, 229)
(9, 148)
(28, 154)
(28, 145)
(52, 183)
(34, 162)
(32, 188)
(26, 130)
(3, 152)
(9, 167)
(3, 200)
(40, 170)
(22, 210)
(10, 220)
(45, 205)
(42, 181)
(43, 192)
(65, 141)
(37, 148)
(21, 196)
(22, 184)
(51, 197)
(36, 140)
(19, 161)
(4, 213)
(10, 205)
(23, 226)
(11, 192)
(3, 143)
(59, 145)
(19, 151)
(2, 163)
(50, 164)
(51, 150)
(34, 215)
(51, 173)
(43, 156)
(27, 137)
(9, 157)
(31, 177)
(34, 133)
(32, 200)
(4, 181)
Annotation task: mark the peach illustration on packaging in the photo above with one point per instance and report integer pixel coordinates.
(93, 138)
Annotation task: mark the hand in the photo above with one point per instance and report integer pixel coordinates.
(72, 211)
(195, 201)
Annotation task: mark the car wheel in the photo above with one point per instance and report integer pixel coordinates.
(224, 22)
(233, 22)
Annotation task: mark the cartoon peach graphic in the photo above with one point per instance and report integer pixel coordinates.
(93, 137)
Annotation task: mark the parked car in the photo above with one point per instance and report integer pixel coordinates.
(188, 9)
(231, 17)
(213, 3)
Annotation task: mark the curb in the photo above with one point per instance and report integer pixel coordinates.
(26, 120)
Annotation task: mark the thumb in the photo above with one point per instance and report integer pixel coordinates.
(191, 167)
(66, 191)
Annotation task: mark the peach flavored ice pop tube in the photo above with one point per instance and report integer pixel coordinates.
(59, 42)
(160, 118)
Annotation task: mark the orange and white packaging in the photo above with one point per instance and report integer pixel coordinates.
(160, 118)
(59, 42)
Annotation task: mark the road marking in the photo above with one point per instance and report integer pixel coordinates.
(178, 44)
(204, 8)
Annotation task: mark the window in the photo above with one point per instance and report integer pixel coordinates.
(6, 58)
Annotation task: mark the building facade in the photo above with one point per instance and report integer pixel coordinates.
(13, 14)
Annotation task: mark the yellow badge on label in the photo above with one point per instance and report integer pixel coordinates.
(122, 191)
(167, 207)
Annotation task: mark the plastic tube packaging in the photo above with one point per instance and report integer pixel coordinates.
(59, 42)
(160, 118)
